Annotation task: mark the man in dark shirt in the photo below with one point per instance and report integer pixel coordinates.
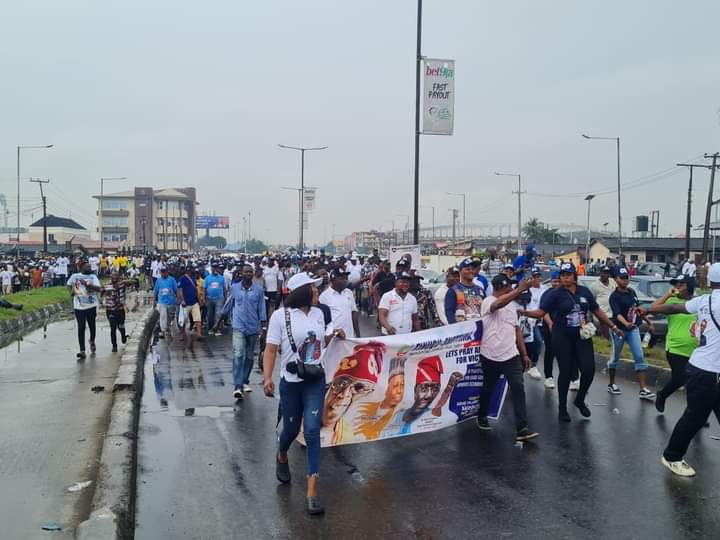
(624, 303)
(189, 301)
(465, 296)
(114, 299)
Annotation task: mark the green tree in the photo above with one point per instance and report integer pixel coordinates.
(256, 246)
(217, 242)
(538, 232)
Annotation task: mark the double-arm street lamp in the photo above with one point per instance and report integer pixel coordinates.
(617, 142)
(302, 151)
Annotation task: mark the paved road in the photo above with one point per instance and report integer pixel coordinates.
(206, 469)
(51, 427)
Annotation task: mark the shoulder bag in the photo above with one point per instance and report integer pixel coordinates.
(307, 372)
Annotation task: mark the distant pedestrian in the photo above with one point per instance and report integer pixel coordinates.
(165, 299)
(115, 300)
(452, 276)
(215, 296)
(398, 309)
(85, 288)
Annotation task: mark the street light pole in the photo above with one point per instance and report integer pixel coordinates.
(589, 198)
(302, 151)
(617, 142)
(102, 192)
(22, 147)
(519, 193)
(418, 65)
(300, 214)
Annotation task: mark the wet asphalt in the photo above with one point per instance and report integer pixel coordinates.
(51, 427)
(206, 468)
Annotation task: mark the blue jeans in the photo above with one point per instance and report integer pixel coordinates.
(535, 346)
(632, 337)
(215, 308)
(302, 402)
(243, 352)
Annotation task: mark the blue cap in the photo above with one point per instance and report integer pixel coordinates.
(465, 263)
(555, 274)
(622, 272)
(536, 271)
(568, 268)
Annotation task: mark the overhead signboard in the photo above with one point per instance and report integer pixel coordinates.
(212, 222)
(438, 96)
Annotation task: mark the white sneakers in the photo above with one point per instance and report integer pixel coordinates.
(534, 373)
(246, 388)
(681, 468)
(549, 383)
(575, 385)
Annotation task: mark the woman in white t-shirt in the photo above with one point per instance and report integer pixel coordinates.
(301, 401)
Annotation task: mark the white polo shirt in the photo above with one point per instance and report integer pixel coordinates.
(341, 304)
(707, 355)
(400, 311)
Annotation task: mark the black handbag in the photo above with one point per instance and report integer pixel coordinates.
(307, 372)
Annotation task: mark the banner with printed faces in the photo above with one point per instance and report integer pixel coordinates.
(410, 253)
(393, 386)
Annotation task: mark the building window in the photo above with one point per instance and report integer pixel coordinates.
(115, 204)
(115, 221)
(115, 237)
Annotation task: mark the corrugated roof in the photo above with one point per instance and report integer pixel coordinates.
(55, 221)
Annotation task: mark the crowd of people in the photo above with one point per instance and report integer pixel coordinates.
(287, 308)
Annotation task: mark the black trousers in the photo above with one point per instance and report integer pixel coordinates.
(573, 355)
(85, 317)
(117, 322)
(513, 371)
(549, 355)
(703, 397)
(678, 366)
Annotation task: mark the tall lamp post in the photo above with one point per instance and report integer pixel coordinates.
(589, 198)
(302, 151)
(102, 193)
(519, 194)
(463, 198)
(23, 147)
(617, 141)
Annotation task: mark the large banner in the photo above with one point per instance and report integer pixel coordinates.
(438, 97)
(392, 386)
(411, 253)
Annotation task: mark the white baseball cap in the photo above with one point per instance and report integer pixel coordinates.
(714, 273)
(303, 278)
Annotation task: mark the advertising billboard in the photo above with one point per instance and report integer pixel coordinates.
(212, 222)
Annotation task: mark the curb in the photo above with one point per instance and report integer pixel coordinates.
(113, 505)
(32, 317)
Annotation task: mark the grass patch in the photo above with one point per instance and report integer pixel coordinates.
(653, 355)
(33, 300)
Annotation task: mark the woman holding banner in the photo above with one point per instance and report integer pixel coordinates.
(299, 331)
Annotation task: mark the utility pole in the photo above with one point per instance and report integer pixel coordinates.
(688, 224)
(454, 219)
(418, 62)
(519, 194)
(706, 230)
(44, 203)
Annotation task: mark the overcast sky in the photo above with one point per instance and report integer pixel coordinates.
(200, 94)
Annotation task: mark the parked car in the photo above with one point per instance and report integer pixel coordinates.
(650, 286)
(656, 269)
(659, 321)
(432, 280)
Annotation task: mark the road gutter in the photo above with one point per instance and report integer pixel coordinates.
(113, 506)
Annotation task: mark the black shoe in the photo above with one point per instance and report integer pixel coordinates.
(582, 408)
(314, 507)
(282, 471)
(660, 403)
(92, 347)
(482, 423)
(81, 355)
(563, 415)
(525, 434)
(114, 348)
(124, 338)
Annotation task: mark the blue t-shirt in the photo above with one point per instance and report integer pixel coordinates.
(472, 298)
(189, 289)
(215, 287)
(166, 290)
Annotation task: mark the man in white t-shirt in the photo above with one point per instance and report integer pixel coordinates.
(270, 277)
(703, 371)
(341, 303)
(398, 309)
(85, 290)
(502, 352)
(689, 268)
(6, 277)
(94, 264)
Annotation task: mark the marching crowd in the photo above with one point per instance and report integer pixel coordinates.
(289, 307)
